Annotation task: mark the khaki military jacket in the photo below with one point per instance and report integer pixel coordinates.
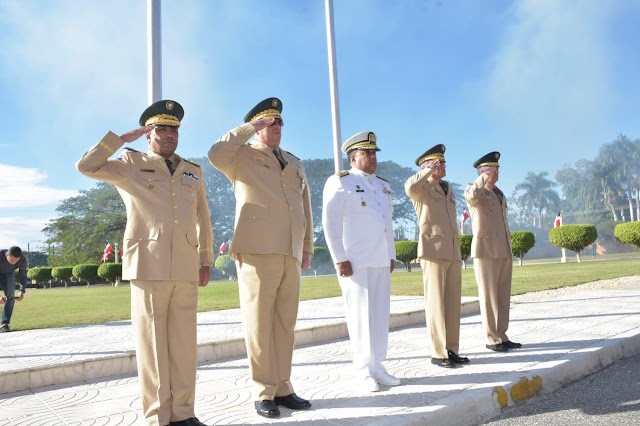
(168, 234)
(273, 206)
(489, 220)
(436, 213)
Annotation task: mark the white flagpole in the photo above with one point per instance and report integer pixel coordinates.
(333, 86)
(154, 51)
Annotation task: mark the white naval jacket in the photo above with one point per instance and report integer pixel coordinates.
(357, 219)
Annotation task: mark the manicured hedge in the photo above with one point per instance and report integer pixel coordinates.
(628, 233)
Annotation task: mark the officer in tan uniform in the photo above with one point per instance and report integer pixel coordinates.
(358, 226)
(491, 251)
(439, 253)
(273, 240)
(168, 252)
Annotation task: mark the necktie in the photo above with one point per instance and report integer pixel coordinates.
(170, 166)
(278, 155)
(444, 188)
(498, 194)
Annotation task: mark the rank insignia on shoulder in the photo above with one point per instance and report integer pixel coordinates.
(191, 162)
(291, 155)
(343, 173)
(381, 178)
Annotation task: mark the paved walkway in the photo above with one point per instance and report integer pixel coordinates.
(57, 377)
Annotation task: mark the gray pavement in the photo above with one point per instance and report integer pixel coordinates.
(566, 337)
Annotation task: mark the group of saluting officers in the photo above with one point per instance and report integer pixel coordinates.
(168, 253)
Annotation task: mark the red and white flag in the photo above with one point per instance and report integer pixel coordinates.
(223, 247)
(465, 216)
(107, 253)
(558, 222)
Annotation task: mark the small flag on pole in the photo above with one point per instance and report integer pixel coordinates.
(465, 216)
(558, 222)
(108, 251)
(223, 247)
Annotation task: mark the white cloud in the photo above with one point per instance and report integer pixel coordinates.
(23, 187)
(550, 74)
(18, 231)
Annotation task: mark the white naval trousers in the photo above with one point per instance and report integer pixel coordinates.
(366, 296)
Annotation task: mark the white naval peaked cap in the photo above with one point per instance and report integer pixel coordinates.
(362, 140)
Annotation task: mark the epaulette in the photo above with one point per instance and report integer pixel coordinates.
(381, 178)
(342, 173)
(128, 148)
(292, 155)
(191, 162)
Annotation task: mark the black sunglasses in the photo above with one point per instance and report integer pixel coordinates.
(277, 121)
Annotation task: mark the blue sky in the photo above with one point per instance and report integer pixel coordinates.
(544, 82)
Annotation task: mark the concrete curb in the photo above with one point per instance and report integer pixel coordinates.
(125, 363)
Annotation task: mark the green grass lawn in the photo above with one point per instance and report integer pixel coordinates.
(80, 305)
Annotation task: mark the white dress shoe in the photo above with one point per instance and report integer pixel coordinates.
(369, 384)
(386, 379)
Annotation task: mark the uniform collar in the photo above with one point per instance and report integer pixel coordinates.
(359, 172)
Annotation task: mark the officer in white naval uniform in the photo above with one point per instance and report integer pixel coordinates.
(356, 217)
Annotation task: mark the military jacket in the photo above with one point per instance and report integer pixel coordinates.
(168, 234)
(357, 219)
(273, 206)
(489, 220)
(436, 213)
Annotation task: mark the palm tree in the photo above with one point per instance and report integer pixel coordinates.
(537, 195)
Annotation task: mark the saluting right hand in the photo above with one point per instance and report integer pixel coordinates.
(134, 135)
(262, 123)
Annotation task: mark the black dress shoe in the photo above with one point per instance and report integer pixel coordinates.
(457, 359)
(443, 362)
(512, 345)
(500, 347)
(293, 402)
(267, 408)
(188, 422)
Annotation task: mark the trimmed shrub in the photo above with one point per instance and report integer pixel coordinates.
(521, 243)
(228, 267)
(465, 247)
(628, 233)
(63, 273)
(110, 271)
(321, 261)
(39, 274)
(406, 251)
(573, 237)
(86, 272)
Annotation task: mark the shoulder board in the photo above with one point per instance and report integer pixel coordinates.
(191, 162)
(291, 154)
(342, 173)
(132, 150)
(381, 178)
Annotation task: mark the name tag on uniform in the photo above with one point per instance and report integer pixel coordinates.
(358, 189)
(147, 170)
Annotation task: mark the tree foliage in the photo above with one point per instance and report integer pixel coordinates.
(406, 251)
(110, 271)
(225, 264)
(573, 237)
(521, 243)
(628, 233)
(321, 261)
(40, 273)
(536, 196)
(86, 272)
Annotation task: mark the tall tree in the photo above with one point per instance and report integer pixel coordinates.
(536, 194)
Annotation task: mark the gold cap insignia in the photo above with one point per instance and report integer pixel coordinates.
(274, 102)
(169, 105)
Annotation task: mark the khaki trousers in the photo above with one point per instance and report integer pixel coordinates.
(163, 315)
(442, 281)
(269, 287)
(493, 277)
